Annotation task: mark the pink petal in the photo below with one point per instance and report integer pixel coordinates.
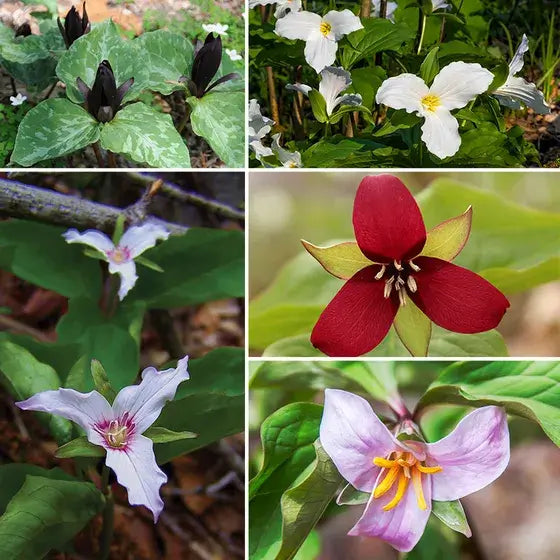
(352, 435)
(401, 526)
(145, 401)
(472, 456)
(138, 239)
(387, 221)
(357, 319)
(137, 470)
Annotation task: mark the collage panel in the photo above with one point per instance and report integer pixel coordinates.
(122, 365)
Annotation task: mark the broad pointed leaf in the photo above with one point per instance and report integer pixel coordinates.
(79, 447)
(453, 515)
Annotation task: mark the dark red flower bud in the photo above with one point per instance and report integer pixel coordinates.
(24, 30)
(74, 25)
(103, 100)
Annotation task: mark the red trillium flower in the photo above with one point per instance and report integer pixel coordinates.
(390, 232)
(74, 25)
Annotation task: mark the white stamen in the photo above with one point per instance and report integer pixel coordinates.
(400, 281)
(414, 267)
(388, 287)
(411, 283)
(380, 274)
(402, 297)
(398, 265)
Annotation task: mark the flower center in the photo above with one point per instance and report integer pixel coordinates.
(118, 432)
(325, 28)
(431, 102)
(404, 467)
(119, 255)
(398, 278)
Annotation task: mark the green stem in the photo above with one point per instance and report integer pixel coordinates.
(108, 518)
(422, 30)
(327, 130)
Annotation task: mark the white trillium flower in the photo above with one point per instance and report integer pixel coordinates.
(286, 158)
(17, 100)
(437, 4)
(217, 28)
(282, 6)
(390, 10)
(119, 428)
(259, 127)
(233, 56)
(516, 90)
(133, 243)
(321, 34)
(333, 82)
(456, 85)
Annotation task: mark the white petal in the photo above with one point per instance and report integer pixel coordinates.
(287, 159)
(138, 239)
(145, 401)
(299, 87)
(320, 51)
(260, 149)
(437, 4)
(92, 238)
(137, 470)
(460, 82)
(283, 6)
(403, 92)
(254, 3)
(440, 133)
(298, 25)
(333, 82)
(349, 99)
(516, 63)
(85, 409)
(516, 91)
(127, 272)
(342, 23)
(259, 126)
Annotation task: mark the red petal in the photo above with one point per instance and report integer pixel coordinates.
(456, 298)
(387, 221)
(357, 319)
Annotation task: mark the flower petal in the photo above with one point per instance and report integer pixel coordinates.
(387, 221)
(516, 63)
(517, 91)
(352, 435)
(342, 23)
(298, 25)
(403, 92)
(460, 82)
(138, 239)
(127, 272)
(145, 401)
(85, 409)
(457, 299)
(333, 82)
(302, 88)
(137, 470)
(320, 51)
(357, 319)
(401, 526)
(472, 456)
(92, 238)
(440, 133)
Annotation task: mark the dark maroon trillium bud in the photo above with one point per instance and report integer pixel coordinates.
(103, 100)
(24, 30)
(206, 63)
(74, 25)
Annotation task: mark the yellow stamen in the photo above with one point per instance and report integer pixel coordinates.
(384, 463)
(428, 470)
(401, 489)
(325, 28)
(387, 483)
(418, 490)
(431, 102)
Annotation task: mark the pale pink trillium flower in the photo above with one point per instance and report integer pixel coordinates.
(286, 158)
(321, 34)
(119, 428)
(516, 90)
(333, 82)
(390, 10)
(282, 6)
(454, 87)
(404, 476)
(133, 243)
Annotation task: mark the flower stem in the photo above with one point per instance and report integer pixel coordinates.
(98, 155)
(111, 161)
(365, 11)
(108, 518)
(185, 119)
(273, 100)
(422, 29)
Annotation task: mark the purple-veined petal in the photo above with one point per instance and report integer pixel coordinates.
(342, 23)
(138, 239)
(440, 133)
(144, 401)
(472, 456)
(127, 272)
(405, 91)
(85, 409)
(92, 238)
(136, 469)
(298, 25)
(320, 51)
(352, 435)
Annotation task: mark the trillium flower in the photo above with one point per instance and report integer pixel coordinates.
(286, 158)
(259, 127)
(391, 234)
(390, 9)
(74, 25)
(439, 4)
(404, 476)
(103, 100)
(119, 428)
(282, 6)
(217, 28)
(120, 257)
(456, 85)
(333, 82)
(516, 90)
(19, 99)
(321, 34)
(233, 55)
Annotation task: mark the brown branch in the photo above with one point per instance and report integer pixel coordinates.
(273, 100)
(365, 10)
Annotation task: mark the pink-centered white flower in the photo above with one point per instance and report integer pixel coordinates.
(454, 87)
(516, 91)
(403, 475)
(120, 257)
(282, 6)
(118, 428)
(321, 34)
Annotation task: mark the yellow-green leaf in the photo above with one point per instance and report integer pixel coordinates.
(446, 240)
(342, 260)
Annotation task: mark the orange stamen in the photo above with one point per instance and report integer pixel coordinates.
(384, 463)
(418, 490)
(401, 489)
(428, 470)
(387, 483)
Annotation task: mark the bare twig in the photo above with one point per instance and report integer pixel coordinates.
(234, 460)
(13, 325)
(366, 9)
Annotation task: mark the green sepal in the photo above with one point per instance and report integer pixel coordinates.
(79, 447)
(318, 106)
(429, 68)
(101, 381)
(119, 229)
(453, 515)
(94, 254)
(162, 435)
(148, 263)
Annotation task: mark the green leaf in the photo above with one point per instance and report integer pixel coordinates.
(366, 82)
(101, 381)
(79, 447)
(414, 328)
(527, 389)
(211, 403)
(352, 497)
(429, 68)
(167, 56)
(453, 515)
(103, 42)
(52, 129)
(305, 501)
(24, 375)
(45, 514)
(146, 136)
(214, 269)
(162, 435)
(219, 118)
(318, 105)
